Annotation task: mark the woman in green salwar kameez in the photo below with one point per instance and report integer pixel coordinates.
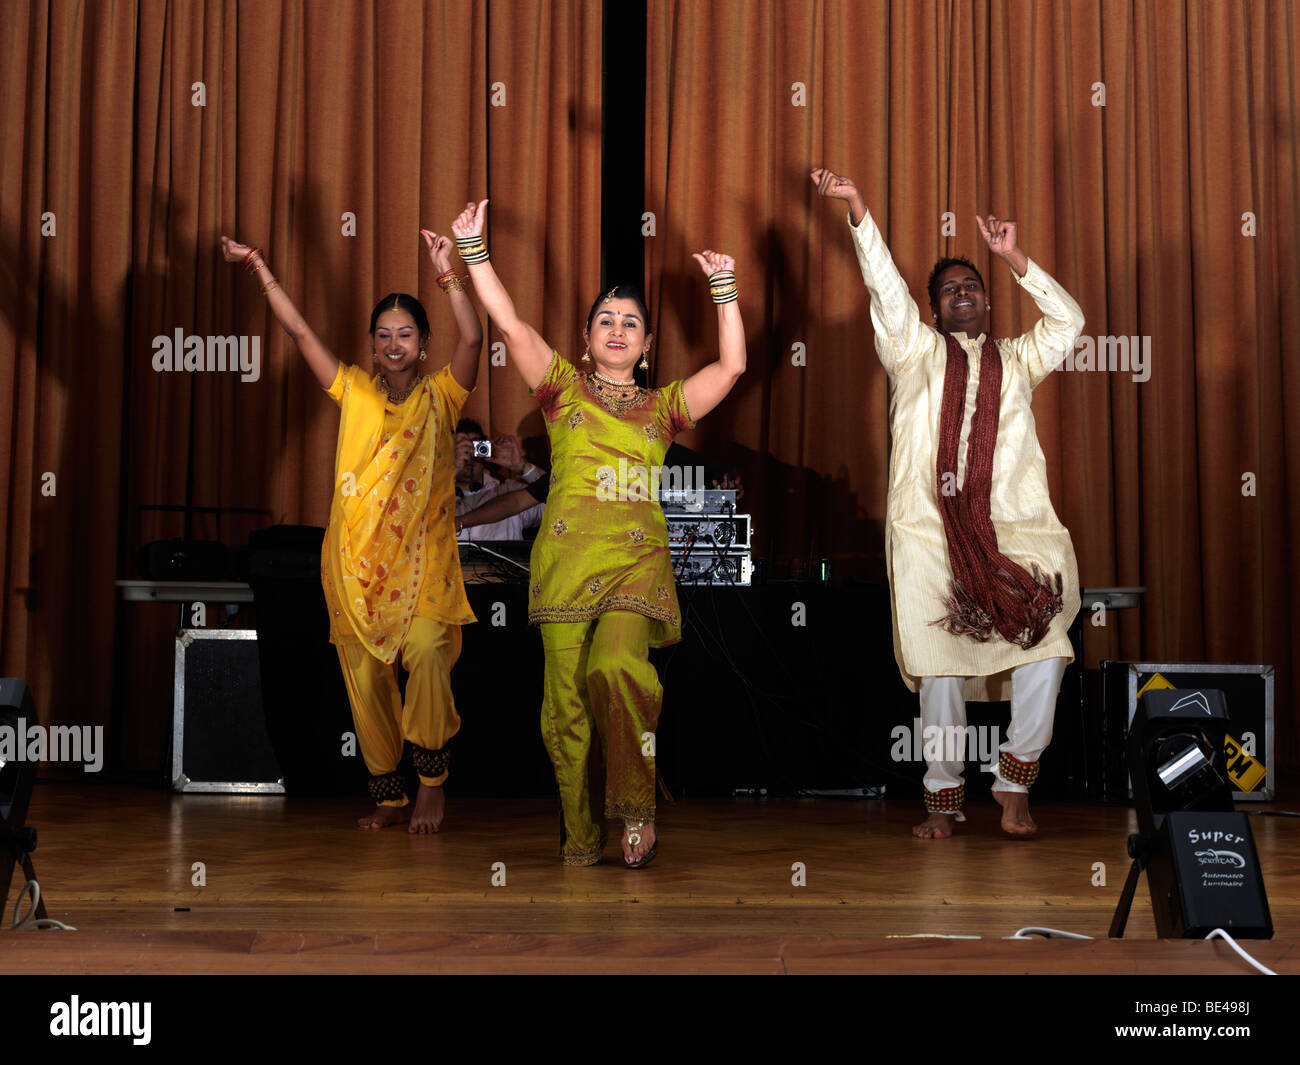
(601, 584)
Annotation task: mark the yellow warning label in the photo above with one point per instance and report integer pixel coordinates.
(1244, 770)
(1155, 684)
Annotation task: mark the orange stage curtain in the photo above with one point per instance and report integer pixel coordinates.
(1170, 213)
(326, 133)
(1184, 483)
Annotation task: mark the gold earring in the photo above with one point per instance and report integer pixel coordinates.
(587, 357)
(422, 355)
(645, 362)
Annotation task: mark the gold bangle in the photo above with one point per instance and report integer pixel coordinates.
(267, 288)
(473, 249)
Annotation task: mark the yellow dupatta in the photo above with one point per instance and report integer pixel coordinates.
(376, 537)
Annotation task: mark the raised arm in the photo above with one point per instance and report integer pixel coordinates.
(1044, 347)
(894, 315)
(706, 388)
(318, 357)
(464, 357)
(529, 352)
(1001, 235)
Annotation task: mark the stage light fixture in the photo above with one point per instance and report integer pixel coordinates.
(1198, 852)
(1185, 768)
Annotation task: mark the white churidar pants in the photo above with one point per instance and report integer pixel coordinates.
(1034, 688)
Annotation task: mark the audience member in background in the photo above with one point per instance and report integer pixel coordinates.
(476, 485)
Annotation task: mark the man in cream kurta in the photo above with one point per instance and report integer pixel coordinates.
(948, 669)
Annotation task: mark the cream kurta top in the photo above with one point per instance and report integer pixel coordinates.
(916, 549)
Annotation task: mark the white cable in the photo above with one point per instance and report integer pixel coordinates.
(1233, 944)
(932, 935)
(496, 554)
(1049, 932)
(28, 920)
(1217, 932)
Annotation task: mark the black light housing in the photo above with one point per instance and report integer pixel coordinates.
(1175, 754)
(1198, 852)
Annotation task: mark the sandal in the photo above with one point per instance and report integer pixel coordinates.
(634, 838)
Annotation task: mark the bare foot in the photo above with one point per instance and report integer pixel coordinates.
(635, 854)
(1015, 813)
(430, 805)
(383, 816)
(936, 826)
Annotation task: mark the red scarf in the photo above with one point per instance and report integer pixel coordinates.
(988, 590)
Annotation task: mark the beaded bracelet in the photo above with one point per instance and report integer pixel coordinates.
(473, 249)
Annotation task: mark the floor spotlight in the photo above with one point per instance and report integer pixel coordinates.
(1198, 852)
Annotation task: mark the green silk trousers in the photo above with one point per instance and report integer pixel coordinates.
(600, 707)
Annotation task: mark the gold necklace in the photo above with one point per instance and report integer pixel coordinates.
(382, 384)
(619, 398)
(611, 381)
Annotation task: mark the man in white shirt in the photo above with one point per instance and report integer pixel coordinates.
(475, 485)
(983, 579)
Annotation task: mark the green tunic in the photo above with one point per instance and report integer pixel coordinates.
(603, 542)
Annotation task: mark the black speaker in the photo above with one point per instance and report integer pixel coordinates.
(305, 700)
(219, 739)
(184, 560)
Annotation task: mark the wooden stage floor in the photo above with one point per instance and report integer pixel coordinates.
(292, 886)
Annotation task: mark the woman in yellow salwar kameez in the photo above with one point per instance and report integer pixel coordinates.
(601, 583)
(389, 563)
